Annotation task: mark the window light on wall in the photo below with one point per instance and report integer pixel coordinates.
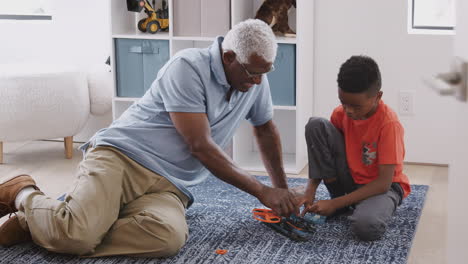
(431, 16)
(25, 10)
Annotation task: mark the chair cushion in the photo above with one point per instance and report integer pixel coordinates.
(40, 101)
(100, 89)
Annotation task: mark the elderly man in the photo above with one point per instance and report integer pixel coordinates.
(130, 196)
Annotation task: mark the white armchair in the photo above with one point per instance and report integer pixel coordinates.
(50, 101)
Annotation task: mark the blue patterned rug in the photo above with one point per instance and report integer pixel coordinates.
(221, 218)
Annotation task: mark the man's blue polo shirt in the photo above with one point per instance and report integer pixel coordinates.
(192, 81)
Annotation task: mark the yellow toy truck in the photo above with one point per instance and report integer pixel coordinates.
(156, 20)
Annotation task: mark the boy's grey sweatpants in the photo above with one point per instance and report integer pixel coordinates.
(327, 160)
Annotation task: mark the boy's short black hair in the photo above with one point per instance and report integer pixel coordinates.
(360, 74)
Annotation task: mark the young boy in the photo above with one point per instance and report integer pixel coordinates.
(359, 154)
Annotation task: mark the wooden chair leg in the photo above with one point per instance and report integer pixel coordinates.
(68, 141)
(1, 152)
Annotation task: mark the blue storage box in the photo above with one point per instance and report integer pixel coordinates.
(283, 79)
(138, 62)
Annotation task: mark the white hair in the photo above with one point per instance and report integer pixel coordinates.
(252, 36)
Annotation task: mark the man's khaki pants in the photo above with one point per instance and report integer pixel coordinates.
(117, 207)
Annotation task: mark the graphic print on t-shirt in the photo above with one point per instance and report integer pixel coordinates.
(369, 153)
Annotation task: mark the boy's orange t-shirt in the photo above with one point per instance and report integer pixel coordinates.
(372, 142)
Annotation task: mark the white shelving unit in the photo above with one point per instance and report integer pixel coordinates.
(290, 120)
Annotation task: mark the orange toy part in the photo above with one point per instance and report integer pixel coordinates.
(298, 228)
(221, 251)
(265, 215)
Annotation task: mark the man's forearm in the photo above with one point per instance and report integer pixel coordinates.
(222, 166)
(270, 148)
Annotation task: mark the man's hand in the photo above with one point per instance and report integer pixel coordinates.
(282, 201)
(324, 207)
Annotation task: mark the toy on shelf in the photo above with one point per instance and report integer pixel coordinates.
(156, 20)
(275, 14)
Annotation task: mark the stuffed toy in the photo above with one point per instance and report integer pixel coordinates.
(275, 14)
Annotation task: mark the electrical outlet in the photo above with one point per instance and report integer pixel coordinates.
(406, 103)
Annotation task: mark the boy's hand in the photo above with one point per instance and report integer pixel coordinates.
(324, 207)
(308, 203)
(306, 197)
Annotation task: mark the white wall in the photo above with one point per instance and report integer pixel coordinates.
(379, 29)
(79, 34)
(458, 180)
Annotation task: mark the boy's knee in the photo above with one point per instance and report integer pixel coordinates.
(318, 126)
(368, 228)
(314, 123)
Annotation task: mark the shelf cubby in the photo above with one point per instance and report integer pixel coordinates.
(195, 24)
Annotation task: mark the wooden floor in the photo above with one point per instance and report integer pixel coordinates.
(54, 174)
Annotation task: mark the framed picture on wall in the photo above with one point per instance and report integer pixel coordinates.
(432, 14)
